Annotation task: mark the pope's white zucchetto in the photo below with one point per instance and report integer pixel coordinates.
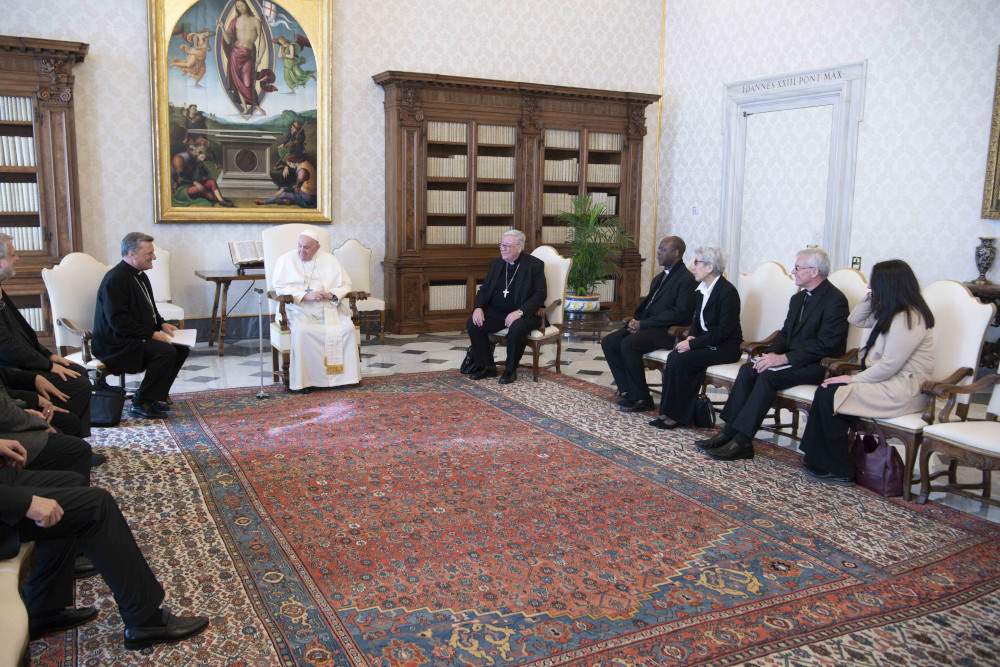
(311, 234)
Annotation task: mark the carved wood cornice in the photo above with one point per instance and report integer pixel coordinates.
(54, 62)
(419, 80)
(636, 120)
(30, 47)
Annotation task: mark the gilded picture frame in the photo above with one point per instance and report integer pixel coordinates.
(991, 191)
(241, 115)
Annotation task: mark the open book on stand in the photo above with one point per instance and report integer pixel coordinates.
(247, 254)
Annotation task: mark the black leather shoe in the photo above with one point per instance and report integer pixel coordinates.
(827, 477)
(59, 621)
(661, 423)
(641, 405)
(718, 440)
(147, 411)
(624, 400)
(490, 372)
(731, 451)
(507, 377)
(83, 568)
(97, 459)
(162, 406)
(171, 629)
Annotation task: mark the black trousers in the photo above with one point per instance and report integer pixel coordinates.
(684, 375)
(825, 440)
(753, 395)
(493, 321)
(162, 362)
(64, 452)
(92, 523)
(77, 420)
(623, 351)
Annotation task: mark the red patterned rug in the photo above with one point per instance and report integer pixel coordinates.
(431, 520)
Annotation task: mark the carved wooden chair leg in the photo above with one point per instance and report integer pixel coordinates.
(275, 368)
(559, 355)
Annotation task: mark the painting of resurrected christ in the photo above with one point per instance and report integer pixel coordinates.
(235, 139)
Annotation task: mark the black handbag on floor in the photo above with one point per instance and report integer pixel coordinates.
(468, 364)
(106, 404)
(704, 412)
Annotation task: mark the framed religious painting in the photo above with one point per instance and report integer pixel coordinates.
(991, 191)
(241, 110)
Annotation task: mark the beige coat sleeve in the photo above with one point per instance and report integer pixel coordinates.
(861, 316)
(900, 343)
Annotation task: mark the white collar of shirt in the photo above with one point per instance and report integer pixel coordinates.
(706, 291)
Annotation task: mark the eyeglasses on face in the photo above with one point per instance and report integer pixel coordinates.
(802, 268)
(507, 246)
(700, 261)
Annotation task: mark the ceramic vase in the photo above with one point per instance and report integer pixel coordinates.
(582, 303)
(986, 252)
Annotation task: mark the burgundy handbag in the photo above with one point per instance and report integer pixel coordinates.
(877, 465)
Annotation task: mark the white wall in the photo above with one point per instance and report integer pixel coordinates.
(612, 44)
(923, 142)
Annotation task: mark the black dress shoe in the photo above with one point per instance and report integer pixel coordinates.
(623, 400)
(507, 377)
(171, 629)
(640, 405)
(490, 372)
(147, 411)
(661, 423)
(162, 406)
(827, 477)
(718, 440)
(731, 451)
(59, 621)
(97, 459)
(83, 568)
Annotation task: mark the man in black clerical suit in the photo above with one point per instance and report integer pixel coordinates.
(815, 327)
(669, 303)
(53, 377)
(61, 513)
(130, 335)
(510, 297)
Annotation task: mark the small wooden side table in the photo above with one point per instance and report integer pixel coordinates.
(583, 322)
(990, 356)
(223, 279)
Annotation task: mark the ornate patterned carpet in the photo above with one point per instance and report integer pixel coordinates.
(431, 520)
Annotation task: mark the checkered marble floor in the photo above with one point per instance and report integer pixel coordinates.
(244, 366)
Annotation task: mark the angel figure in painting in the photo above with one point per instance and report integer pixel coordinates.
(289, 52)
(196, 49)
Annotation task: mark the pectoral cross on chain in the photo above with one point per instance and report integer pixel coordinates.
(505, 292)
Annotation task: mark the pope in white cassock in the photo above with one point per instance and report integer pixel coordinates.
(324, 349)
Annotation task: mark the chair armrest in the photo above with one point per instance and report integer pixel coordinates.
(85, 336)
(352, 301)
(282, 317)
(755, 347)
(679, 332)
(840, 365)
(950, 391)
(545, 311)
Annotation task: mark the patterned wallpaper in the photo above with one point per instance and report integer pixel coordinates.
(540, 41)
(923, 141)
(922, 148)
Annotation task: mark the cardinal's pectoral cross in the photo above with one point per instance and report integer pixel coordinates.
(505, 292)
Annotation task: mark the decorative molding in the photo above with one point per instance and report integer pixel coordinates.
(410, 111)
(57, 71)
(842, 87)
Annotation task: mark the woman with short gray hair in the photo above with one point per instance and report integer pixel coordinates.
(714, 338)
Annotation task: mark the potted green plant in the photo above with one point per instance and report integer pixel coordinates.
(596, 242)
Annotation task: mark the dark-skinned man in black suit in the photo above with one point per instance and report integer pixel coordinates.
(669, 303)
(815, 327)
(510, 297)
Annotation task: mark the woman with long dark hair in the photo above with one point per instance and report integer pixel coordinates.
(897, 359)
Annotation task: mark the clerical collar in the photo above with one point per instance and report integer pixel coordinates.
(134, 270)
(514, 263)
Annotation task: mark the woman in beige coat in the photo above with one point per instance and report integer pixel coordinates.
(897, 359)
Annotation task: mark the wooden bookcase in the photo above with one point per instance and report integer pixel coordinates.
(39, 194)
(467, 159)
